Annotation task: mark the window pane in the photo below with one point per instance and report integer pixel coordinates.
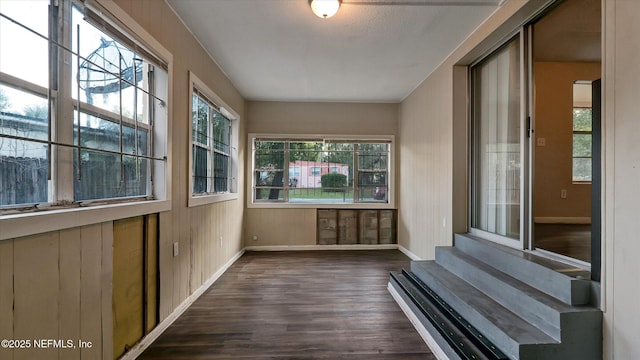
(372, 186)
(221, 172)
(111, 76)
(24, 54)
(582, 120)
(372, 156)
(269, 155)
(106, 176)
(23, 114)
(321, 195)
(582, 169)
(221, 129)
(200, 173)
(23, 172)
(582, 145)
(200, 121)
(496, 143)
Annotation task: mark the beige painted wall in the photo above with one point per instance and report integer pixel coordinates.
(622, 178)
(197, 230)
(433, 142)
(61, 281)
(429, 107)
(298, 226)
(553, 95)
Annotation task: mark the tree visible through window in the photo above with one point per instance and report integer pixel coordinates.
(320, 171)
(582, 136)
(211, 136)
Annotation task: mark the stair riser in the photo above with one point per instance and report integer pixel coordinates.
(537, 313)
(564, 288)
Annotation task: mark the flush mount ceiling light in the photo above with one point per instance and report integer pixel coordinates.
(325, 8)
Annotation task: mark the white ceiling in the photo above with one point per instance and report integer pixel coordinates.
(370, 51)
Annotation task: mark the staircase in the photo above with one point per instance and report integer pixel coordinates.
(481, 300)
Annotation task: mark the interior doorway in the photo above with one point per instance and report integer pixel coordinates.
(565, 60)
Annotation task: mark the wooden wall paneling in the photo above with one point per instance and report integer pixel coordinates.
(165, 253)
(6, 295)
(387, 227)
(151, 272)
(327, 227)
(348, 227)
(128, 283)
(106, 291)
(368, 226)
(91, 290)
(69, 298)
(36, 287)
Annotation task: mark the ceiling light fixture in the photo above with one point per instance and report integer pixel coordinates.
(325, 8)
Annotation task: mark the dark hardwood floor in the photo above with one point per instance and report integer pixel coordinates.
(297, 305)
(572, 240)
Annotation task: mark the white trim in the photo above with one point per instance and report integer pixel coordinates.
(422, 331)
(234, 117)
(573, 262)
(390, 204)
(321, 247)
(562, 220)
(146, 341)
(409, 254)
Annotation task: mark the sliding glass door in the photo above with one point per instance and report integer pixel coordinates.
(496, 147)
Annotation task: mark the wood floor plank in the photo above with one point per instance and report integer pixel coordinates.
(297, 305)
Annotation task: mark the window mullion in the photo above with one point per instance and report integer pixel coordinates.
(356, 174)
(64, 113)
(285, 172)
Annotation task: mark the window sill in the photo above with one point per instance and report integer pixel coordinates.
(18, 225)
(282, 205)
(211, 199)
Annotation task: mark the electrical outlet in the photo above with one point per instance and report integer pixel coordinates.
(254, 238)
(220, 242)
(563, 193)
(541, 141)
(176, 249)
(444, 222)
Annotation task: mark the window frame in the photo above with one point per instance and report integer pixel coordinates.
(391, 161)
(52, 217)
(198, 199)
(581, 103)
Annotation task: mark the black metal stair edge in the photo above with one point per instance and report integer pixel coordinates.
(463, 338)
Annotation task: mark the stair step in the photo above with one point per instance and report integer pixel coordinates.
(459, 336)
(563, 282)
(509, 332)
(540, 309)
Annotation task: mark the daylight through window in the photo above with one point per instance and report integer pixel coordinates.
(321, 171)
(582, 128)
(83, 107)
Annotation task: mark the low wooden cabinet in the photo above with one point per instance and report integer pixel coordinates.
(356, 226)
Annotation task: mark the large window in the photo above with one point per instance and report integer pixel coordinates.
(83, 108)
(214, 141)
(307, 170)
(582, 136)
(496, 143)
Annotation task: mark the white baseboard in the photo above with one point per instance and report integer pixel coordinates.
(321, 247)
(409, 254)
(424, 333)
(146, 341)
(562, 220)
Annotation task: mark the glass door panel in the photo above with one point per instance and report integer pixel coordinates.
(496, 142)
